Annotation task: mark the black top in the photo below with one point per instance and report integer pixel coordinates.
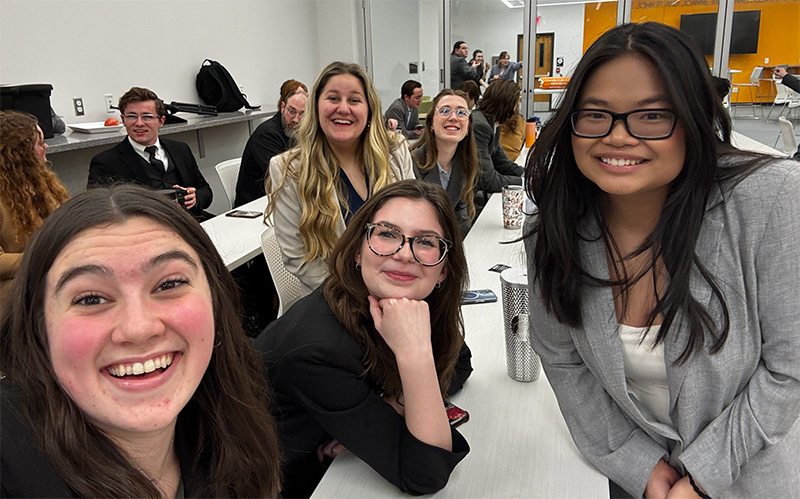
(25, 471)
(321, 393)
(267, 141)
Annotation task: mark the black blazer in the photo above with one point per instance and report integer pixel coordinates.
(454, 188)
(267, 141)
(321, 392)
(497, 171)
(123, 164)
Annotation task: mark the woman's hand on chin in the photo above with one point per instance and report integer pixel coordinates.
(404, 324)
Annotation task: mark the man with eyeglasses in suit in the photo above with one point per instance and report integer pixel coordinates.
(144, 158)
(271, 138)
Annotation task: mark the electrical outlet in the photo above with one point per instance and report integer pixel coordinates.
(766, 60)
(109, 103)
(77, 103)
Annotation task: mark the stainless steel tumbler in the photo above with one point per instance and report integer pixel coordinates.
(522, 362)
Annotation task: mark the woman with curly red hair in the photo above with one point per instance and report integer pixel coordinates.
(29, 190)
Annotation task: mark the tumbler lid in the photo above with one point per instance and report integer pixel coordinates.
(515, 276)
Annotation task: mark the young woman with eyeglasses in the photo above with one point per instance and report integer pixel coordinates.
(663, 272)
(446, 154)
(365, 361)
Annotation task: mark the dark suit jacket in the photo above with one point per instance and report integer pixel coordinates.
(454, 188)
(123, 164)
(791, 81)
(461, 71)
(321, 392)
(407, 118)
(267, 141)
(497, 171)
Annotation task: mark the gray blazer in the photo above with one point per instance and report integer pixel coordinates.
(454, 187)
(407, 118)
(497, 171)
(288, 210)
(734, 413)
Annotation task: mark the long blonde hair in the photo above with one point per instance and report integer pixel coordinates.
(315, 169)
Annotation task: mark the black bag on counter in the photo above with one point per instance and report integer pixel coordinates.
(217, 88)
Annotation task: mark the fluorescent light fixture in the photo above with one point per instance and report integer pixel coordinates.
(514, 4)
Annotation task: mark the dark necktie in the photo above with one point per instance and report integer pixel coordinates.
(157, 163)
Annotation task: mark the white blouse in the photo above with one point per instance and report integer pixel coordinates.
(646, 370)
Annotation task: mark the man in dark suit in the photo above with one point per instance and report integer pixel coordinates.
(270, 139)
(406, 109)
(460, 69)
(144, 158)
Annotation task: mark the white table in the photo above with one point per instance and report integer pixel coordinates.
(237, 239)
(745, 143)
(520, 444)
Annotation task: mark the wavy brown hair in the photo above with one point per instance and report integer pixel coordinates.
(466, 151)
(316, 169)
(139, 94)
(28, 187)
(500, 103)
(346, 292)
(230, 434)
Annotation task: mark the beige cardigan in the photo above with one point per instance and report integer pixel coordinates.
(287, 212)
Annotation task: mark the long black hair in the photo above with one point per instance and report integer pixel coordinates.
(565, 198)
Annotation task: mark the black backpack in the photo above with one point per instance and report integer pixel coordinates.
(217, 88)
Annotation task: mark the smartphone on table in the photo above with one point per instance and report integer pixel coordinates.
(456, 415)
(244, 214)
(478, 296)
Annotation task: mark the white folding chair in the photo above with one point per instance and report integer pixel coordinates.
(754, 84)
(789, 140)
(228, 172)
(781, 98)
(286, 284)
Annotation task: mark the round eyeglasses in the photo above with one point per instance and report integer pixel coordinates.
(648, 124)
(446, 110)
(385, 240)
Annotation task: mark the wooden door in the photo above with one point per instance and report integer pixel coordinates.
(544, 61)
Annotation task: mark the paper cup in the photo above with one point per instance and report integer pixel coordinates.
(512, 206)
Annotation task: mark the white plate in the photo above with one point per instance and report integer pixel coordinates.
(94, 127)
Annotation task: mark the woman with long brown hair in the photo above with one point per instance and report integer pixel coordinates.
(365, 362)
(127, 373)
(29, 190)
(446, 154)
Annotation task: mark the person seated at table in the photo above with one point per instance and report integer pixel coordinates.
(29, 190)
(512, 135)
(364, 363)
(146, 159)
(271, 138)
(405, 110)
(663, 268)
(498, 105)
(446, 155)
(344, 155)
(504, 69)
(127, 373)
(473, 92)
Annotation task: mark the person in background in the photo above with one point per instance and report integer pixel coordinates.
(663, 268)
(344, 155)
(146, 159)
(473, 92)
(365, 362)
(504, 69)
(788, 79)
(29, 190)
(446, 154)
(460, 69)
(482, 67)
(499, 104)
(127, 373)
(405, 110)
(271, 138)
(512, 135)
(722, 86)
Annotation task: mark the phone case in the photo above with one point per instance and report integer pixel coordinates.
(243, 214)
(456, 415)
(478, 296)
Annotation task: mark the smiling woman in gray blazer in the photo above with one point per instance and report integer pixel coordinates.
(664, 267)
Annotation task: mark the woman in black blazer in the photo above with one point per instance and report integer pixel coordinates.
(364, 362)
(446, 154)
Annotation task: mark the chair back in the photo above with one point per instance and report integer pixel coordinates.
(756, 75)
(286, 284)
(228, 172)
(781, 93)
(787, 132)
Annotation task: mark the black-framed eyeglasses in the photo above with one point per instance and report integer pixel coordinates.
(648, 124)
(446, 110)
(385, 240)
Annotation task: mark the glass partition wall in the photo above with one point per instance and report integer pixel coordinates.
(744, 40)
